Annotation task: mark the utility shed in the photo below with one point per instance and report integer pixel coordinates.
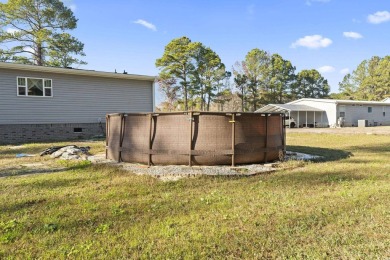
(333, 112)
(45, 103)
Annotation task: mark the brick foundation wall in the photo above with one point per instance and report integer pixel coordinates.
(28, 133)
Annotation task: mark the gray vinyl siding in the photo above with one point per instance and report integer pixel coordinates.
(353, 113)
(76, 99)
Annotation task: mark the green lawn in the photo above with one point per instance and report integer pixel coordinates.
(336, 208)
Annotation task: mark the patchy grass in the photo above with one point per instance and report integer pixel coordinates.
(12, 166)
(336, 208)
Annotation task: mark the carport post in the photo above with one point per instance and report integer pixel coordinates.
(321, 117)
(314, 119)
(298, 119)
(306, 118)
(289, 119)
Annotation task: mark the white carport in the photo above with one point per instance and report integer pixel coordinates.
(309, 113)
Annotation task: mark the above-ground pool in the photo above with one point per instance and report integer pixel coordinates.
(195, 138)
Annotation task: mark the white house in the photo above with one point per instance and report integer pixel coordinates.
(328, 112)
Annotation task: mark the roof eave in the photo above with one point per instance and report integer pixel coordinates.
(35, 68)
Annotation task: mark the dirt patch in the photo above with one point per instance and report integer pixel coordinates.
(375, 130)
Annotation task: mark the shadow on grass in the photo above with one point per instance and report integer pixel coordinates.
(385, 147)
(11, 153)
(302, 178)
(22, 171)
(49, 184)
(312, 179)
(15, 171)
(327, 154)
(17, 206)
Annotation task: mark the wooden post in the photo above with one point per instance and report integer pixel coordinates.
(150, 140)
(266, 137)
(233, 139)
(189, 155)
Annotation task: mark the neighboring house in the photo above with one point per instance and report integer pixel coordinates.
(45, 103)
(331, 112)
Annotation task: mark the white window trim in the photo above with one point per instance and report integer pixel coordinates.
(43, 79)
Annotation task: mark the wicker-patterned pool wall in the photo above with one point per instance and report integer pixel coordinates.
(195, 138)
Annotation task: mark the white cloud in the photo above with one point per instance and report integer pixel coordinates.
(379, 17)
(309, 2)
(344, 71)
(353, 35)
(146, 24)
(326, 69)
(312, 42)
(12, 30)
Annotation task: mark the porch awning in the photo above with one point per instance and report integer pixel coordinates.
(277, 108)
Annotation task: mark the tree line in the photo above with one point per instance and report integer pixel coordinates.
(192, 76)
(36, 32)
(369, 81)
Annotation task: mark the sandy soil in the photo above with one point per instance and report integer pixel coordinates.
(377, 130)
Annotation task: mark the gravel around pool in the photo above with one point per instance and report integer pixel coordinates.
(179, 171)
(175, 172)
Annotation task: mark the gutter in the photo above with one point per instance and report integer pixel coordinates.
(78, 72)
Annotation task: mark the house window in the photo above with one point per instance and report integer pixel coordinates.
(342, 114)
(34, 87)
(369, 109)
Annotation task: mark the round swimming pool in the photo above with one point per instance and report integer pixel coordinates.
(195, 138)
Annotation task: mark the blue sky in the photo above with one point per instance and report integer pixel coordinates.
(333, 36)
